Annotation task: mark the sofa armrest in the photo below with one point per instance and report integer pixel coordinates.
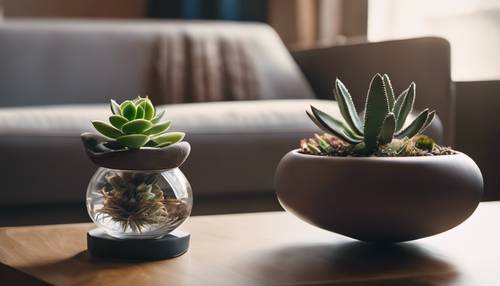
(426, 61)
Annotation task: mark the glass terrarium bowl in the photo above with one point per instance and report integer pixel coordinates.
(139, 204)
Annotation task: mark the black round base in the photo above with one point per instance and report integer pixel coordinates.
(101, 244)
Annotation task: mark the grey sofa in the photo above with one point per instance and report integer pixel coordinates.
(233, 88)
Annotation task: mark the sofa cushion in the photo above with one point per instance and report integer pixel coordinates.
(236, 146)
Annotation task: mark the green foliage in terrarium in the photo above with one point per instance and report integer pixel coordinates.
(136, 201)
(383, 130)
(136, 123)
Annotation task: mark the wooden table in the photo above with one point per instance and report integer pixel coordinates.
(262, 249)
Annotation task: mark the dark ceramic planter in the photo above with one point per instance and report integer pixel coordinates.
(375, 199)
(172, 156)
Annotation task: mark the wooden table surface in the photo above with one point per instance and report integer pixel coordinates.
(262, 249)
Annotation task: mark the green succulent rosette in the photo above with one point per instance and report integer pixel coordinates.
(136, 123)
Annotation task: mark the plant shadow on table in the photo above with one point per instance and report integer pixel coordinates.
(82, 266)
(356, 263)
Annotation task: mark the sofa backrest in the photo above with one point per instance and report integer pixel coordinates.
(67, 62)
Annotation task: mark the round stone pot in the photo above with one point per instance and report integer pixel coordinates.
(380, 199)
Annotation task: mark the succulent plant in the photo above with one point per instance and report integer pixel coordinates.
(325, 144)
(135, 123)
(384, 116)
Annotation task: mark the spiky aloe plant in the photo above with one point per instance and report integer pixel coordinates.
(135, 123)
(384, 118)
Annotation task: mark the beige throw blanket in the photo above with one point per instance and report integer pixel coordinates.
(194, 68)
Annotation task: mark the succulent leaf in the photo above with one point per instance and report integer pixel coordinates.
(117, 121)
(133, 141)
(168, 138)
(313, 149)
(149, 110)
(128, 109)
(334, 126)
(325, 117)
(428, 121)
(136, 126)
(415, 126)
(406, 107)
(106, 129)
(325, 146)
(139, 100)
(158, 128)
(389, 91)
(115, 107)
(388, 128)
(377, 108)
(347, 108)
(399, 102)
(339, 133)
(158, 116)
(316, 122)
(140, 112)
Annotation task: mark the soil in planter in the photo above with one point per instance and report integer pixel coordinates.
(137, 201)
(330, 145)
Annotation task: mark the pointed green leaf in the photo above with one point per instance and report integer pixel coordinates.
(377, 108)
(415, 126)
(139, 100)
(133, 141)
(136, 126)
(106, 129)
(389, 91)
(170, 138)
(158, 116)
(333, 126)
(319, 124)
(347, 108)
(325, 146)
(115, 107)
(117, 121)
(428, 121)
(149, 110)
(406, 107)
(325, 118)
(140, 112)
(399, 102)
(128, 109)
(158, 128)
(313, 149)
(387, 131)
(315, 121)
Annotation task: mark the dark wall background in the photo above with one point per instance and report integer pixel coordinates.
(73, 8)
(235, 10)
(478, 129)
